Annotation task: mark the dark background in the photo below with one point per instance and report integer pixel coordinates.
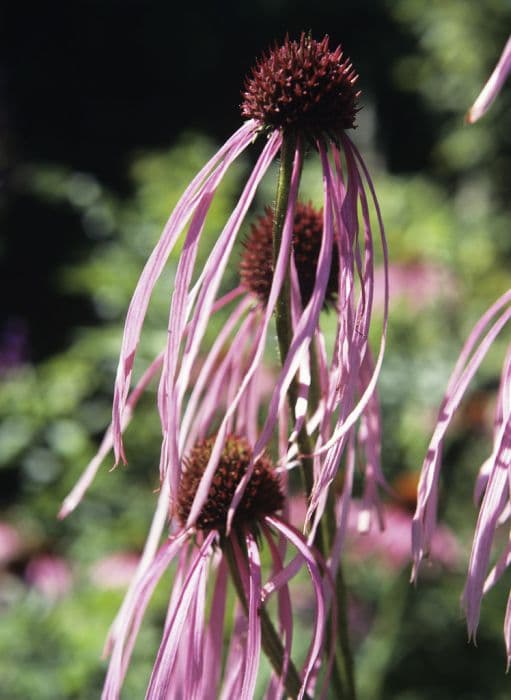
(88, 84)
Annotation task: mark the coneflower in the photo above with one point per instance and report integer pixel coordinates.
(300, 97)
(189, 663)
(492, 489)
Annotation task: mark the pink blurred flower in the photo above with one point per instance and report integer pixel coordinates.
(391, 545)
(492, 494)
(415, 284)
(492, 87)
(50, 575)
(115, 570)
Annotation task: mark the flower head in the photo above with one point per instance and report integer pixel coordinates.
(303, 85)
(261, 497)
(256, 267)
(190, 656)
(318, 84)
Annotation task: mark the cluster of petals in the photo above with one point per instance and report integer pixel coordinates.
(189, 663)
(218, 391)
(492, 489)
(492, 486)
(189, 387)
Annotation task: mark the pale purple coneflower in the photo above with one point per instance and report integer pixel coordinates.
(492, 486)
(301, 95)
(190, 663)
(492, 490)
(492, 87)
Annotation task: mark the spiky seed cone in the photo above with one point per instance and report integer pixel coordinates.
(304, 86)
(262, 496)
(256, 267)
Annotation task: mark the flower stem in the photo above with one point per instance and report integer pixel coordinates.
(343, 673)
(270, 640)
(283, 305)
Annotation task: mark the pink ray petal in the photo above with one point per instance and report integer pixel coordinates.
(285, 620)
(494, 500)
(81, 486)
(132, 617)
(492, 87)
(425, 514)
(161, 677)
(299, 543)
(154, 266)
(253, 651)
(214, 640)
(203, 489)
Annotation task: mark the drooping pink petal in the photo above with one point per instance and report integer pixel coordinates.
(161, 677)
(212, 669)
(253, 651)
(369, 438)
(308, 322)
(343, 508)
(466, 366)
(256, 358)
(194, 662)
(170, 394)
(285, 620)
(205, 376)
(154, 266)
(296, 539)
(129, 622)
(356, 412)
(215, 399)
(233, 676)
(492, 87)
(495, 498)
(81, 486)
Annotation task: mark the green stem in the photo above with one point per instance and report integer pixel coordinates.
(283, 305)
(270, 640)
(343, 675)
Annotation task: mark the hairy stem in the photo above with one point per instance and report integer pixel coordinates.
(270, 640)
